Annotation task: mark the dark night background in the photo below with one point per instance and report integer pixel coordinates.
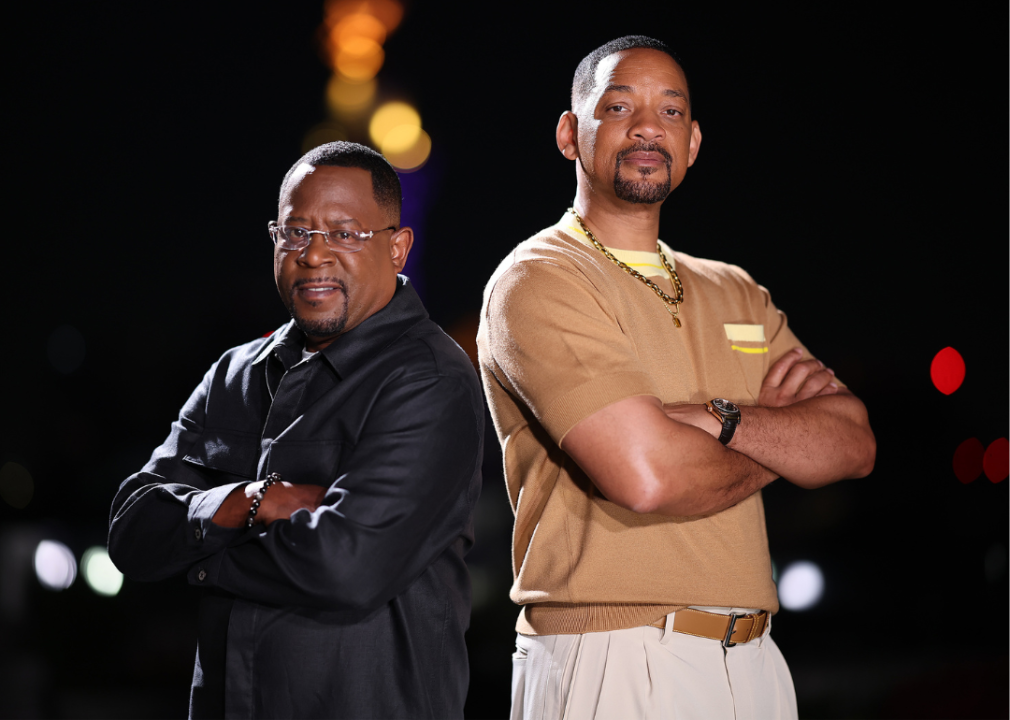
(854, 162)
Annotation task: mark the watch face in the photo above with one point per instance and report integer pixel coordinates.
(725, 405)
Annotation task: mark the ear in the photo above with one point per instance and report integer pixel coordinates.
(695, 142)
(399, 247)
(567, 135)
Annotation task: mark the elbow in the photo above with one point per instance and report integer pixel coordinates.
(867, 457)
(647, 493)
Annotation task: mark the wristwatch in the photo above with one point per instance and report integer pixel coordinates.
(728, 414)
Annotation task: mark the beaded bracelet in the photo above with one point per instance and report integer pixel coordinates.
(258, 497)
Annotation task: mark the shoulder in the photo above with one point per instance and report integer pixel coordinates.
(725, 276)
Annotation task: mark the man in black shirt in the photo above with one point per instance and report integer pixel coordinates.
(320, 483)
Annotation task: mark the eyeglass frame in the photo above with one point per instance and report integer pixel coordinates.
(328, 237)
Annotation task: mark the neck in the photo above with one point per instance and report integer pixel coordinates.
(617, 223)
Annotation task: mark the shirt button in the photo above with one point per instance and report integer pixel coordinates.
(202, 575)
(197, 534)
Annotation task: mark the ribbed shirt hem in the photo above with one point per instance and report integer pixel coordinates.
(574, 619)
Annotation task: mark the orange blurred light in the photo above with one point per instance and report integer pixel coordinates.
(359, 59)
(387, 12)
(389, 116)
(357, 25)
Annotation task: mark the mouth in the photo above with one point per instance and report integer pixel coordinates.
(314, 292)
(644, 157)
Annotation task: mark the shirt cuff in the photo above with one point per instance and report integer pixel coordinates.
(203, 531)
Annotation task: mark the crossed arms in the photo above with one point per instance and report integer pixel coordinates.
(652, 458)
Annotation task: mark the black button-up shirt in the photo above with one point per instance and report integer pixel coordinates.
(357, 609)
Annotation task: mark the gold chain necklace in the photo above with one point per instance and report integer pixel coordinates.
(672, 304)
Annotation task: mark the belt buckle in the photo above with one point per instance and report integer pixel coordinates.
(733, 617)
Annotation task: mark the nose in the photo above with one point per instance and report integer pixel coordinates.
(646, 126)
(317, 253)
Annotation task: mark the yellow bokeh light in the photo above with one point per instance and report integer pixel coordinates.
(359, 59)
(349, 98)
(389, 116)
(400, 139)
(413, 157)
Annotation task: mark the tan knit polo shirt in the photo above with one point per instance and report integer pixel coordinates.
(564, 332)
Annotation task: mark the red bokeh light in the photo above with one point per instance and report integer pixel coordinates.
(947, 370)
(968, 460)
(996, 461)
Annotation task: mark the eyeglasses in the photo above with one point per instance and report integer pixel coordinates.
(292, 237)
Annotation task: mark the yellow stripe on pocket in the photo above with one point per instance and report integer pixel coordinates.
(749, 350)
(745, 333)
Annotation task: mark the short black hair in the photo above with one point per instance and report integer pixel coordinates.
(585, 73)
(385, 182)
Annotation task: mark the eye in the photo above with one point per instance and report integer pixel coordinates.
(673, 112)
(617, 109)
(344, 235)
(297, 233)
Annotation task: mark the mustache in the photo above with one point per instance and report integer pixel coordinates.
(328, 280)
(644, 147)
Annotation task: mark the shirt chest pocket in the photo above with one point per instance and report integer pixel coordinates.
(226, 451)
(747, 345)
(310, 462)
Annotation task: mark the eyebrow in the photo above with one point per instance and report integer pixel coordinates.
(294, 218)
(630, 89)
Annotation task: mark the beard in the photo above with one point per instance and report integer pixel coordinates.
(323, 327)
(642, 190)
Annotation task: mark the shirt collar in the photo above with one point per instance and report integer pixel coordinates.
(647, 263)
(358, 345)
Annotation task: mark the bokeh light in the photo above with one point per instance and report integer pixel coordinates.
(395, 128)
(996, 461)
(414, 157)
(801, 586)
(99, 572)
(323, 133)
(359, 59)
(947, 370)
(348, 99)
(55, 565)
(16, 485)
(968, 460)
(66, 349)
(390, 116)
(387, 12)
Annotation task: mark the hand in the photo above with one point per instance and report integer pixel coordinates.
(791, 380)
(696, 415)
(281, 500)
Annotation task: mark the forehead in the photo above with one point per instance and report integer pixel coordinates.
(345, 188)
(639, 68)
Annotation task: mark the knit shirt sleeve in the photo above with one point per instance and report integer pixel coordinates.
(557, 346)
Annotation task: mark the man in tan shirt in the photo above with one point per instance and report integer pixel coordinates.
(643, 398)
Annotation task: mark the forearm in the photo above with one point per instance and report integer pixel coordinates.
(161, 529)
(646, 462)
(812, 442)
(696, 475)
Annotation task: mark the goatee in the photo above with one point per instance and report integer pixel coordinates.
(642, 191)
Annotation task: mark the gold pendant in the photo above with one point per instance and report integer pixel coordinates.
(676, 321)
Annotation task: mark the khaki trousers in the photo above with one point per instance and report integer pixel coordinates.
(649, 673)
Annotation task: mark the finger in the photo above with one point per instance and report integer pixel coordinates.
(829, 389)
(798, 374)
(778, 371)
(814, 384)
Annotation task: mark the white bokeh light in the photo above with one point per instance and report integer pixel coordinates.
(99, 572)
(55, 565)
(801, 586)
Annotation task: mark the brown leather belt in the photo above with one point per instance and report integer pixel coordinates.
(730, 630)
